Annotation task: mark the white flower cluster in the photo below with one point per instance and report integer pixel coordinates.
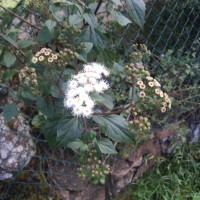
(77, 95)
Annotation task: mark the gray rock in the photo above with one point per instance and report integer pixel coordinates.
(16, 146)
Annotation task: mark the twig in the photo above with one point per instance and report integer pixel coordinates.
(14, 45)
(98, 6)
(22, 19)
(114, 112)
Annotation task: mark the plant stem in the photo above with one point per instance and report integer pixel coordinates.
(22, 19)
(98, 6)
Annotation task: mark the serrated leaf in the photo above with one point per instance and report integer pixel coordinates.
(9, 59)
(106, 146)
(69, 130)
(136, 9)
(121, 19)
(24, 43)
(44, 35)
(10, 111)
(45, 106)
(116, 127)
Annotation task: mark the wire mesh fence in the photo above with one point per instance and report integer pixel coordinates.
(30, 169)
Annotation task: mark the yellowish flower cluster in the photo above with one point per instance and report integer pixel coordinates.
(142, 123)
(44, 55)
(28, 76)
(153, 87)
(92, 167)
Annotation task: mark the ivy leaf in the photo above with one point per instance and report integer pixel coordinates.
(10, 111)
(9, 59)
(121, 19)
(69, 130)
(136, 9)
(116, 127)
(106, 146)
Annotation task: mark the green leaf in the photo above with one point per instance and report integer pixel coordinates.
(44, 35)
(87, 46)
(75, 144)
(95, 37)
(136, 9)
(24, 43)
(117, 68)
(117, 2)
(45, 106)
(37, 120)
(9, 59)
(8, 39)
(90, 18)
(116, 127)
(106, 146)
(69, 130)
(121, 19)
(75, 19)
(50, 24)
(56, 91)
(104, 99)
(50, 133)
(10, 111)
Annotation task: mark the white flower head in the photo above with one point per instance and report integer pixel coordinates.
(34, 60)
(78, 101)
(101, 69)
(88, 68)
(89, 103)
(87, 111)
(69, 102)
(82, 79)
(77, 110)
(71, 93)
(98, 88)
(92, 80)
(89, 88)
(77, 95)
(104, 84)
(80, 90)
(72, 84)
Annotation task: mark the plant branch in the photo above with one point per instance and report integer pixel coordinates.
(98, 6)
(22, 19)
(14, 45)
(115, 112)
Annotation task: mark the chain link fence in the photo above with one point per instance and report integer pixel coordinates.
(172, 33)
